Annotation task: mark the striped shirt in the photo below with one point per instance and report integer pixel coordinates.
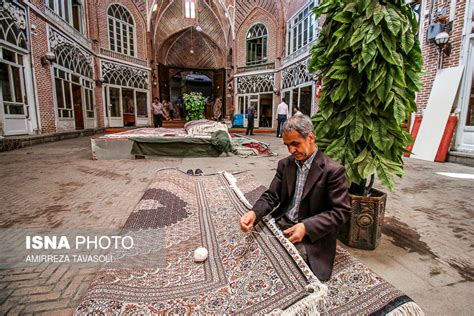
(301, 176)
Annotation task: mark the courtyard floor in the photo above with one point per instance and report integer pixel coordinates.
(426, 251)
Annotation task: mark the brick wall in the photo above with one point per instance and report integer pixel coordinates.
(258, 15)
(100, 11)
(430, 50)
(44, 81)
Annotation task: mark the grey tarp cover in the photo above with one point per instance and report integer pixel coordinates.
(182, 146)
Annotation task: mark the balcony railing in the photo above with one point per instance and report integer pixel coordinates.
(249, 68)
(124, 57)
(75, 34)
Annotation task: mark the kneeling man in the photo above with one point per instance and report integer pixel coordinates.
(308, 198)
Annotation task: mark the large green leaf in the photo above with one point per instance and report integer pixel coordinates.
(399, 111)
(369, 51)
(393, 21)
(379, 13)
(379, 136)
(372, 33)
(384, 89)
(387, 55)
(343, 17)
(347, 120)
(369, 169)
(383, 173)
(358, 34)
(357, 128)
(361, 156)
(341, 31)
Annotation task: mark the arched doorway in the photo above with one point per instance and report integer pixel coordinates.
(176, 81)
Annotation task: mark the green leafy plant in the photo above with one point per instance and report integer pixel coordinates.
(369, 59)
(195, 105)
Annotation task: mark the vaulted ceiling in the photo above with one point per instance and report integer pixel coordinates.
(219, 21)
(176, 51)
(172, 35)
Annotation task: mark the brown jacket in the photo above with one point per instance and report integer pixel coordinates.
(324, 207)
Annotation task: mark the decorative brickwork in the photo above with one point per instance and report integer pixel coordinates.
(258, 15)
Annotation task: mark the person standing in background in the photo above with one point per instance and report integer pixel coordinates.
(296, 111)
(157, 112)
(171, 110)
(282, 115)
(250, 119)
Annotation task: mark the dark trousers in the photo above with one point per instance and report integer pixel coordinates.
(158, 120)
(281, 120)
(250, 124)
(283, 224)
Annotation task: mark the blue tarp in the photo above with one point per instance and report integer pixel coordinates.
(238, 120)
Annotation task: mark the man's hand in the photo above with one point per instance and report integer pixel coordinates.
(247, 220)
(296, 233)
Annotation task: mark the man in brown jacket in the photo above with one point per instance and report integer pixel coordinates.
(308, 198)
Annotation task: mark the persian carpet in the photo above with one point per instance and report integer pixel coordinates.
(245, 273)
(353, 288)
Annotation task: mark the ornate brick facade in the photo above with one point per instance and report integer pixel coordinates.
(217, 38)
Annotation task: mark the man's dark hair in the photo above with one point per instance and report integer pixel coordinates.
(155, 99)
(300, 123)
(283, 100)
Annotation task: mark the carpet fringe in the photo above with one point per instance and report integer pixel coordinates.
(233, 184)
(410, 308)
(310, 305)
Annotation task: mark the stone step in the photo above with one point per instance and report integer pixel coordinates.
(460, 157)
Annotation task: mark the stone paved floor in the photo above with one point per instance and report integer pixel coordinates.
(426, 249)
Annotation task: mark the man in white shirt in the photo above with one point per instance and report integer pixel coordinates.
(282, 115)
(157, 107)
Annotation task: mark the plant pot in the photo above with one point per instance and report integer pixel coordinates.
(364, 228)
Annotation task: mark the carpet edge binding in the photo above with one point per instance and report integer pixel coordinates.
(311, 304)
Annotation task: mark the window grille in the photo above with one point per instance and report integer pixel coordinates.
(257, 44)
(70, 55)
(124, 76)
(295, 75)
(255, 84)
(13, 24)
(121, 30)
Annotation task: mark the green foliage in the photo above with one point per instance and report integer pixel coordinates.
(368, 56)
(195, 104)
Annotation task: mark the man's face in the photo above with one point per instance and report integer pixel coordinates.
(299, 147)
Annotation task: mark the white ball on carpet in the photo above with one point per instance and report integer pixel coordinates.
(200, 254)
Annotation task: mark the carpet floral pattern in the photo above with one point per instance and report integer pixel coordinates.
(256, 273)
(353, 288)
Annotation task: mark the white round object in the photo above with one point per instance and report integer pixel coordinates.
(200, 254)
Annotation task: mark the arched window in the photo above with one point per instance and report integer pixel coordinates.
(257, 44)
(121, 30)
